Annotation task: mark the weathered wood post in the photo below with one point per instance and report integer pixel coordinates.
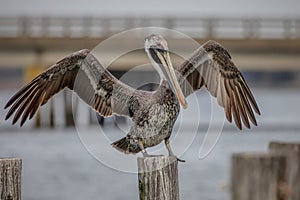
(259, 176)
(292, 152)
(10, 178)
(38, 119)
(52, 123)
(70, 116)
(158, 178)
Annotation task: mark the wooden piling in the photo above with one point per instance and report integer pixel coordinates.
(38, 119)
(69, 115)
(52, 121)
(292, 152)
(259, 176)
(10, 178)
(158, 178)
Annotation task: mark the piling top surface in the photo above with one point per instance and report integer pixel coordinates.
(9, 158)
(256, 155)
(291, 145)
(148, 164)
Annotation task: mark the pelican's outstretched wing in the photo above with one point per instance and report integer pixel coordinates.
(80, 72)
(211, 65)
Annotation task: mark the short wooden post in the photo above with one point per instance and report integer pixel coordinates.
(52, 123)
(259, 176)
(158, 178)
(69, 115)
(292, 152)
(10, 178)
(38, 119)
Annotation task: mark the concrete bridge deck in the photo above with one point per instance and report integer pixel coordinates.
(255, 44)
(249, 54)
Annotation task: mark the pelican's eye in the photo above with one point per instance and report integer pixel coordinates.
(154, 56)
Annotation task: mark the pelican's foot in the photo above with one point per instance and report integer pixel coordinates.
(179, 160)
(167, 143)
(148, 155)
(145, 154)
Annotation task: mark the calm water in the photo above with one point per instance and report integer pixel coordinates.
(56, 165)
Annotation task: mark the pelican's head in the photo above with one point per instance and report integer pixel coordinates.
(157, 49)
(156, 41)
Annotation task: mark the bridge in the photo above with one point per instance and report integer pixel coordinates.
(256, 44)
(267, 50)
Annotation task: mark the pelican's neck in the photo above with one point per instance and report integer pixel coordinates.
(159, 71)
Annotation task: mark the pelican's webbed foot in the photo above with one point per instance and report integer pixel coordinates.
(167, 143)
(179, 160)
(145, 154)
(149, 155)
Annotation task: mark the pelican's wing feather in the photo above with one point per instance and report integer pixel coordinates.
(211, 66)
(80, 72)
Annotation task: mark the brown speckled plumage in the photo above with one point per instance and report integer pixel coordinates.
(211, 65)
(154, 113)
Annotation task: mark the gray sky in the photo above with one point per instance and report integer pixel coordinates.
(252, 8)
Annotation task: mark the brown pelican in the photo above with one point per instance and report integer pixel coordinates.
(153, 113)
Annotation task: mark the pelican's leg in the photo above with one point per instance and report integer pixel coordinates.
(167, 143)
(143, 150)
(141, 146)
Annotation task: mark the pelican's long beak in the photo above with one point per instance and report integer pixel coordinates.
(168, 70)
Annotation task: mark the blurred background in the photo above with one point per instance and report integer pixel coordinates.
(263, 38)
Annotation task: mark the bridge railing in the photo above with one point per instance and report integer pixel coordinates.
(257, 28)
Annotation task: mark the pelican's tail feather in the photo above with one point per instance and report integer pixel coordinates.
(126, 145)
